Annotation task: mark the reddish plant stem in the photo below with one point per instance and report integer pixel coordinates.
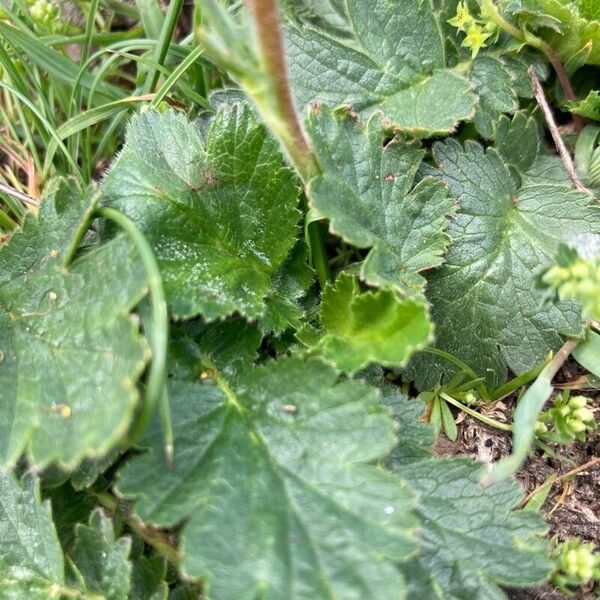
(266, 19)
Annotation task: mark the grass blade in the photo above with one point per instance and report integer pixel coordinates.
(52, 61)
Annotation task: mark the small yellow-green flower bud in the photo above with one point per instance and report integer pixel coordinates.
(584, 414)
(578, 402)
(576, 425)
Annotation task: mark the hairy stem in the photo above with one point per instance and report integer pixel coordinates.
(266, 20)
(283, 119)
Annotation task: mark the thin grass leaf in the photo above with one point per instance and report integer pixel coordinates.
(528, 408)
(93, 116)
(49, 128)
(164, 41)
(152, 17)
(174, 77)
(51, 61)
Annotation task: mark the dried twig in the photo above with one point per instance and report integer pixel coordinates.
(538, 92)
(19, 195)
(588, 465)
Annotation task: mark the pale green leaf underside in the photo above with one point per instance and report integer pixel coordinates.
(589, 107)
(220, 212)
(395, 63)
(365, 192)
(270, 477)
(370, 327)
(484, 304)
(70, 353)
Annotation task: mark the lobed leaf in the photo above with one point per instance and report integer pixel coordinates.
(365, 192)
(369, 327)
(400, 57)
(471, 538)
(219, 211)
(101, 560)
(270, 474)
(485, 306)
(70, 353)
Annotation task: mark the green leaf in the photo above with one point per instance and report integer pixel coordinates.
(365, 192)
(370, 327)
(290, 282)
(579, 25)
(32, 565)
(495, 87)
(230, 346)
(31, 560)
(405, 77)
(148, 579)
(587, 352)
(101, 560)
(220, 211)
(271, 475)
(471, 539)
(415, 437)
(70, 352)
(484, 305)
(392, 56)
(69, 507)
(517, 140)
(589, 107)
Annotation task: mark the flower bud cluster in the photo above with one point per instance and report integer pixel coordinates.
(45, 14)
(580, 281)
(476, 30)
(576, 564)
(569, 419)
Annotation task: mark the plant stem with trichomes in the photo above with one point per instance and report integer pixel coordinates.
(277, 108)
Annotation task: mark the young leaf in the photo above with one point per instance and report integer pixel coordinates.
(589, 107)
(70, 353)
(485, 307)
(270, 475)
(290, 282)
(370, 327)
(101, 560)
(578, 25)
(365, 192)
(220, 212)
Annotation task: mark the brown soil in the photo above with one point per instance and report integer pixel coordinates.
(572, 508)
